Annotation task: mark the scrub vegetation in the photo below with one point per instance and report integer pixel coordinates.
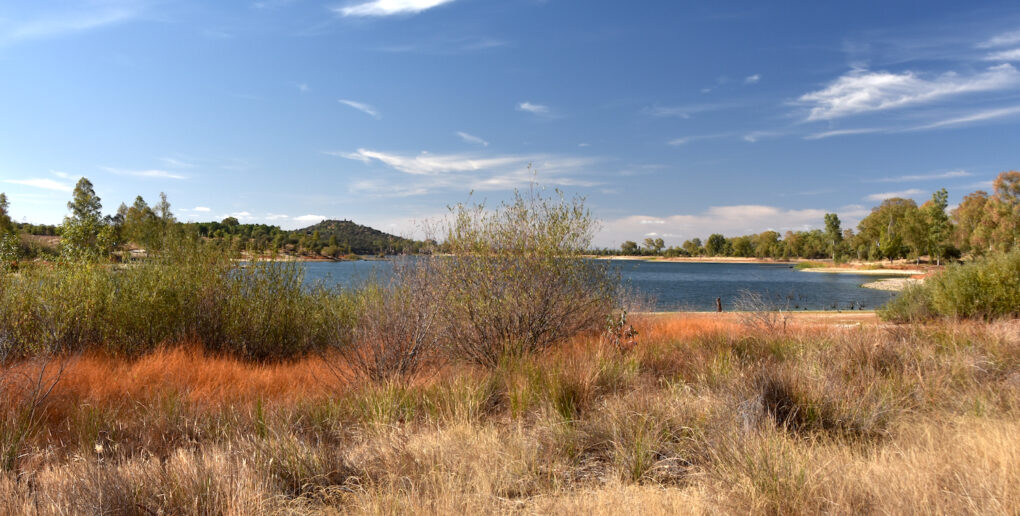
(500, 376)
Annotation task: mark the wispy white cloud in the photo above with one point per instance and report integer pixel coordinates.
(754, 136)
(979, 116)
(431, 164)
(176, 163)
(310, 219)
(863, 91)
(843, 132)
(913, 192)
(81, 18)
(151, 173)
(752, 79)
(1004, 55)
(470, 138)
(44, 183)
(438, 172)
(684, 140)
(201, 209)
(537, 109)
(446, 46)
(271, 4)
(952, 174)
(1002, 40)
(361, 106)
(302, 87)
(669, 111)
(389, 7)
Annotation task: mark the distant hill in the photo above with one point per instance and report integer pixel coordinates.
(360, 239)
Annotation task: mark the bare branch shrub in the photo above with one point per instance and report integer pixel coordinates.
(398, 329)
(758, 312)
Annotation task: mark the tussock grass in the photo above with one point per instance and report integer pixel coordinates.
(702, 416)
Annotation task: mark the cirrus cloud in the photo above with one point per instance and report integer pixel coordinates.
(361, 106)
(863, 91)
(389, 7)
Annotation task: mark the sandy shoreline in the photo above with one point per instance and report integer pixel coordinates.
(893, 284)
(689, 259)
(866, 272)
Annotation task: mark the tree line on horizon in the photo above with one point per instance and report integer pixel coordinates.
(88, 235)
(895, 229)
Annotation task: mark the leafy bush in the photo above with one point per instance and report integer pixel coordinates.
(987, 288)
(516, 282)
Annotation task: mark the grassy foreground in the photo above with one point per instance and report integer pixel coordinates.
(703, 414)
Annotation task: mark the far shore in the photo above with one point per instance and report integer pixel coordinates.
(699, 259)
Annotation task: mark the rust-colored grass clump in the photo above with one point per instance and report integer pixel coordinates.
(202, 378)
(704, 413)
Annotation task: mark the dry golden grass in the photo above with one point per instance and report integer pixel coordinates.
(703, 415)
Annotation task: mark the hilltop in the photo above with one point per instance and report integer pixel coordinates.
(355, 238)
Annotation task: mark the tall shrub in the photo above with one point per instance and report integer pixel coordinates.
(515, 282)
(987, 288)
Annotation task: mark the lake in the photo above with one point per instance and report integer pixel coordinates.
(686, 286)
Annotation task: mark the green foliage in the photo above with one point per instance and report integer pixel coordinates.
(6, 226)
(516, 282)
(988, 288)
(912, 304)
(938, 225)
(833, 232)
(84, 236)
(9, 251)
(190, 292)
(716, 245)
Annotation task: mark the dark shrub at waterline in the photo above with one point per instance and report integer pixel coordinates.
(987, 288)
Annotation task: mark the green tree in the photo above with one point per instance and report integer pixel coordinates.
(654, 245)
(9, 248)
(140, 223)
(84, 236)
(889, 226)
(1003, 211)
(629, 247)
(939, 228)
(692, 246)
(833, 232)
(716, 245)
(891, 246)
(742, 246)
(6, 225)
(970, 233)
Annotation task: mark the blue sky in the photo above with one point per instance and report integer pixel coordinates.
(673, 120)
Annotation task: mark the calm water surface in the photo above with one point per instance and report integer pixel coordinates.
(686, 286)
